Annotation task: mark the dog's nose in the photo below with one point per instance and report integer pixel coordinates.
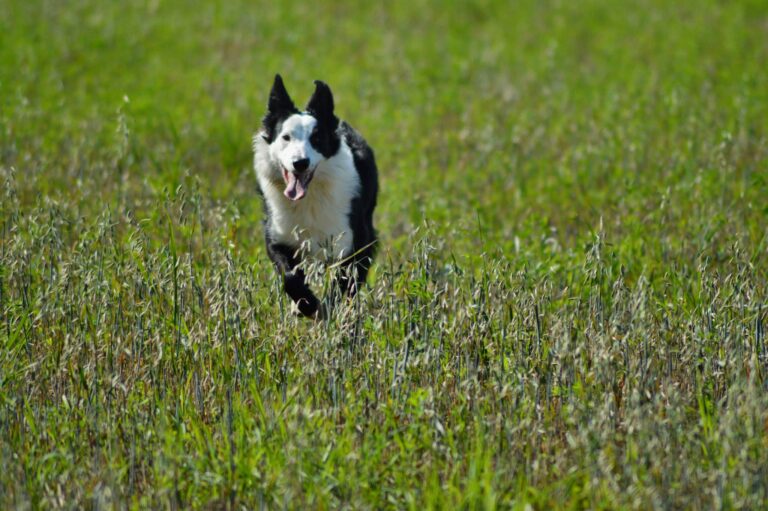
(301, 165)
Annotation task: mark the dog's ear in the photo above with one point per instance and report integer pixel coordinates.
(321, 103)
(279, 107)
(279, 100)
(320, 106)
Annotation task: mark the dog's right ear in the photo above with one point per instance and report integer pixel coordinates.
(279, 107)
(279, 100)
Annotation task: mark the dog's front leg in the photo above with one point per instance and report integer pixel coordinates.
(353, 273)
(345, 281)
(294, 279)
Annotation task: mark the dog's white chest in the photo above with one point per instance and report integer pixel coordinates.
(319, 222)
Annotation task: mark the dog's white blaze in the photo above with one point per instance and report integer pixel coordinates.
(321, 219)
(299, 128)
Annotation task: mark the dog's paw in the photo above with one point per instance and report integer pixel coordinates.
(322, 313)
(319, 314)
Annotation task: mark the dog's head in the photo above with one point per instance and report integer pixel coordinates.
(300, 141)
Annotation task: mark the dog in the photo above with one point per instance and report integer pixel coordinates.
(318, 180)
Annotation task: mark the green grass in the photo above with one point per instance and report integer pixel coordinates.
(570, 303)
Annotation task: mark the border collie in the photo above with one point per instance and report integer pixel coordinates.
(319, 182)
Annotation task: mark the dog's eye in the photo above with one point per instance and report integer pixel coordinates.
(286, 137)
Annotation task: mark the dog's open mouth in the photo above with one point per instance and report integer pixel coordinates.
(296, 184)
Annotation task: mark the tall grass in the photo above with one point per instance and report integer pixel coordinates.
(569, 304)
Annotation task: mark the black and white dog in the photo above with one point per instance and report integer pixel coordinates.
(331, 220)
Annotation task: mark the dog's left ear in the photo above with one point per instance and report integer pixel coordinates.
(321, 103)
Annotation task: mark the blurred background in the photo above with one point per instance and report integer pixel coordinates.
(517, 116)
(567, 311)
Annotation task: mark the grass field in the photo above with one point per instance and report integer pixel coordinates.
(570, 303)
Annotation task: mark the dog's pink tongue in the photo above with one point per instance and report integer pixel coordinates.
(295, 189)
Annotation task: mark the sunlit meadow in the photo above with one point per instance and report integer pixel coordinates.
(569, 305)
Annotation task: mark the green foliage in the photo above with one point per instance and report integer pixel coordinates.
(569, 305)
